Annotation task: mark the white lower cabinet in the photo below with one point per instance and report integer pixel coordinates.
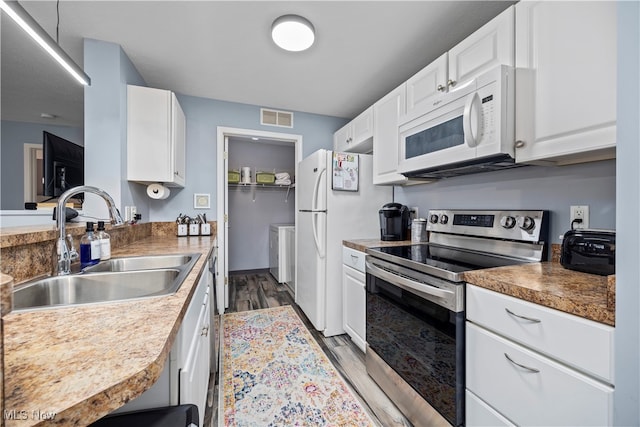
(354, 296)
(185, 377)
(515, 375)
(478, 413)
(194, 375)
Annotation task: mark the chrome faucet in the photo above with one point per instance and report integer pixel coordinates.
(62, 266)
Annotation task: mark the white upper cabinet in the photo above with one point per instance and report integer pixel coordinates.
(156, 137)
(356, 136)
(565, 81)
(489, 46)
(427, 84)
(386, 113)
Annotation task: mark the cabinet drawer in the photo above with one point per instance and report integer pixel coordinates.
(555, 395)
(478, 413)
(353, 258)
(581, 343)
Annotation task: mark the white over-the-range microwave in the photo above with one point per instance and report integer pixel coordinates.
(469, 129)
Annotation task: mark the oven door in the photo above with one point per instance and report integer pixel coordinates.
(415, 325)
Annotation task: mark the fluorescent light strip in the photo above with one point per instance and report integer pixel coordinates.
(22, 18)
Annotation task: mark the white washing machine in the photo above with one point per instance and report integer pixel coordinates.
(279, 253)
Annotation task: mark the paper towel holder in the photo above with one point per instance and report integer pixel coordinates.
(158, 191)
(201, 201)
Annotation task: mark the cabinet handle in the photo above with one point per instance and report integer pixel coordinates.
(530, 319)
(205, 331)
(354, 258)
(451, 83)
(441, 88)
(519, 144)
(175, 173)
(534, 370)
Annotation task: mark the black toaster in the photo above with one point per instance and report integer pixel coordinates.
(589, 251)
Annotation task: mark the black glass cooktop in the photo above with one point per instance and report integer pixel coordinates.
(430, 258)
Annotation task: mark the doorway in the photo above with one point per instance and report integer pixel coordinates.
(249, 202)
(33, 173)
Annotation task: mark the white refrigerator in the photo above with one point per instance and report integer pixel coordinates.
(327, 216)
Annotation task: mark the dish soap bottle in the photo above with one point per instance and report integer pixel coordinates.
(105, 242)
(89, 248)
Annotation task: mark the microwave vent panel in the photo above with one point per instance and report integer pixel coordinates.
(276, 118)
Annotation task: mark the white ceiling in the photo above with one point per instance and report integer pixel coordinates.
(222, 50)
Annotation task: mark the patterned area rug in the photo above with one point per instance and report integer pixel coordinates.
(275, 374)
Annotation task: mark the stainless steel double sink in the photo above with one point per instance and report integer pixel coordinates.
(116, 279)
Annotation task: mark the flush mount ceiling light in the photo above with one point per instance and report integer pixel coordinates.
(293, 33)
(31, 27)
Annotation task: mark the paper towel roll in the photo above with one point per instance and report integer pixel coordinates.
(158, 191)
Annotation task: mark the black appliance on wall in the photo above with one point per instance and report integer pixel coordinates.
(589, 251)
(394, 222)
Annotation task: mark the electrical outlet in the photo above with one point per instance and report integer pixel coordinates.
(134, 211)
(415, 212)
(127, 213)
(580, 213)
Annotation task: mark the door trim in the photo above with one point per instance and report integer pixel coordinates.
(222, 190)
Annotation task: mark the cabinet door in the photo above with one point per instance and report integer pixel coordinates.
(341, 138)
(387, 112)
(354, 305)
(194, 376)
(491, 45)
(155, 137)
(533, 390)
(479, 414)
(565, 82)
(178, 142)
(362, 132)
(425, 86)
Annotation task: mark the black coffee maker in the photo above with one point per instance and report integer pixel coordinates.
(394, 222)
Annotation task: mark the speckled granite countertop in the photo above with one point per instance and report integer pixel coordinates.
(82, 362)
(547, 283)
(551, 285)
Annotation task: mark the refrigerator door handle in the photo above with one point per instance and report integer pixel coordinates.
(314, 220)
(316, 187)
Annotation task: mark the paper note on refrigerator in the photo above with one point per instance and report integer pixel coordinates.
(345, 172)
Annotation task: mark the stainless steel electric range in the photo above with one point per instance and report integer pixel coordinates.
(415, 305)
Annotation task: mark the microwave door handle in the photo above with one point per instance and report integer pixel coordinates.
(473, 102)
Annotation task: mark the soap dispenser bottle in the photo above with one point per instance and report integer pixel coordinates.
(105, 242)
(89, 248)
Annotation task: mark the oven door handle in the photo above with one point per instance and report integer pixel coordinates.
(407, 284)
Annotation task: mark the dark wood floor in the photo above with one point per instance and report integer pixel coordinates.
(258, 289)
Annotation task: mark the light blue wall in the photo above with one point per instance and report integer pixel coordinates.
(105, 126)
(627, 336)
(250, 214)
(13, 137)
(531, 187)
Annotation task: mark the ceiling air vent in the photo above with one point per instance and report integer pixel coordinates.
(276, 118)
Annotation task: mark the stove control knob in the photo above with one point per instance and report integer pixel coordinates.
(433, 219)
(526, 223)
(508, 221)
(444, 219)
